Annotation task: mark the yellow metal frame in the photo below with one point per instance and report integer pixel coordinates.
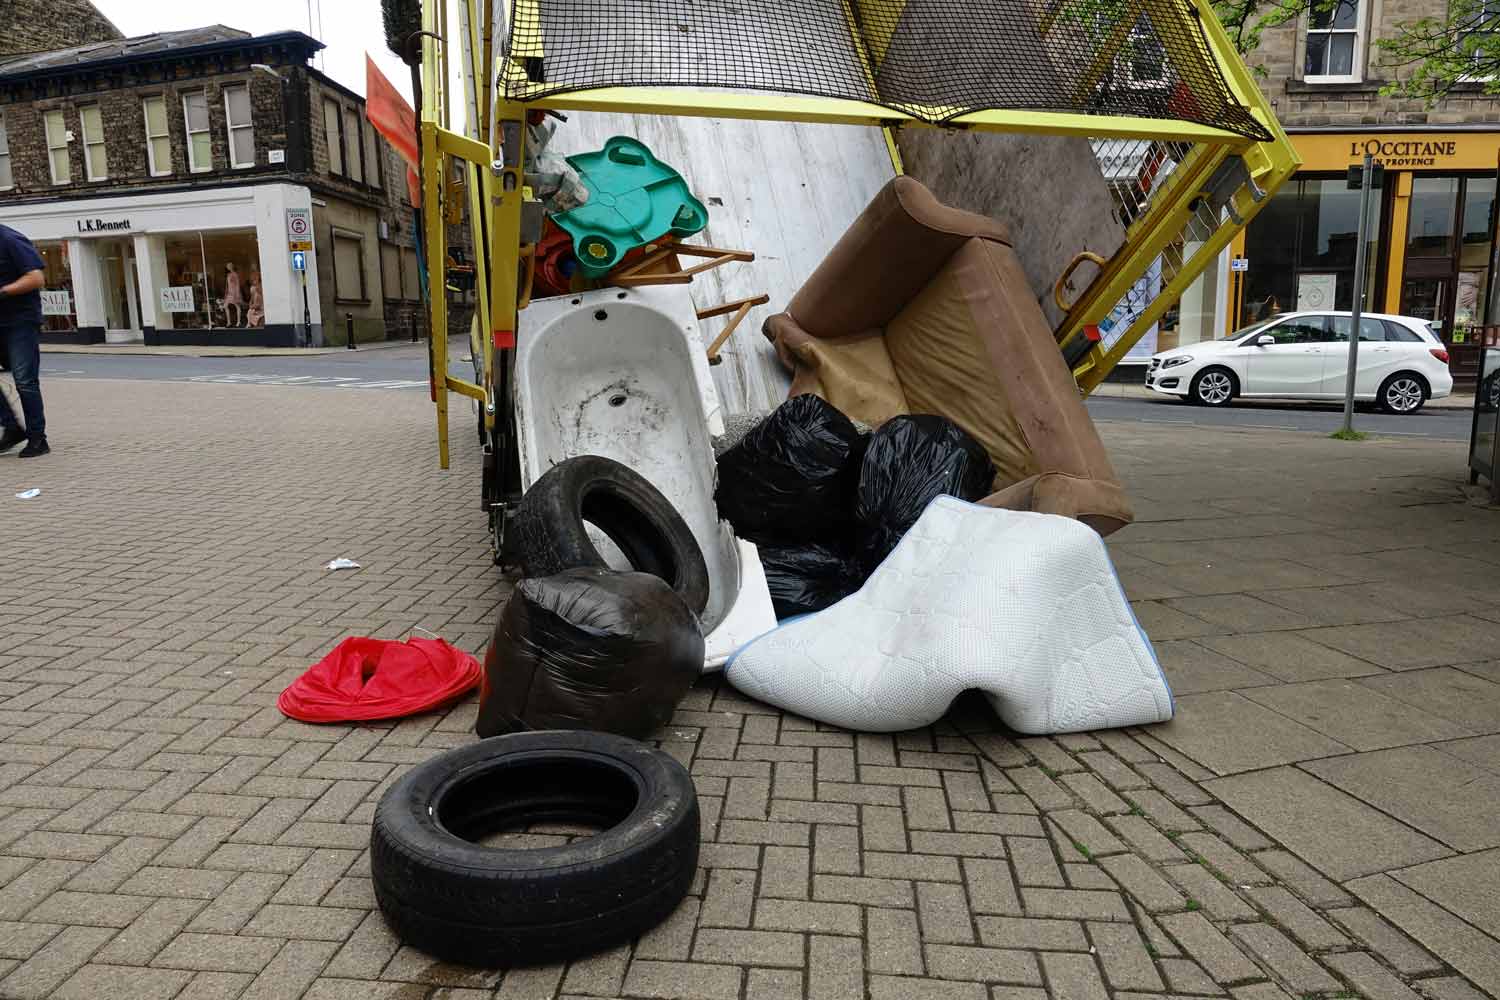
(496, 193)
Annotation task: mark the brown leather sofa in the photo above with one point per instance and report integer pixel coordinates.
(921, 308)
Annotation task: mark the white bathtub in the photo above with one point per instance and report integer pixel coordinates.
(622, 373)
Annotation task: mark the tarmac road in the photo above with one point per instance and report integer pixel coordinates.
(405, 368)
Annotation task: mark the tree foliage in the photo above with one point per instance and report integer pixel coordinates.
(1429, 57)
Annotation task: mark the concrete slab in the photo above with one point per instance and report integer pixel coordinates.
(1481, 751)
(1451, 800)
(1470, 951)
(1162, 622)
(1468, 886)
(1192, 668)
(1329, 829)
(1470, 701)
(1228, 733)
(1411, 645)
(1236, 576)
(1288, 656)
(1355, 715)
(1331, 605)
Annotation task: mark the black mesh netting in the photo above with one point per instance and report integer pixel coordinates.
(932, 59)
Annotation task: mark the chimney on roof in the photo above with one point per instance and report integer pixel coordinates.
(44, 25)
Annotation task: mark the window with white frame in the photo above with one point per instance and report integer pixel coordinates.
(95, 161)
(237, 122)
(332, 129)
(1144, 58)
(1335, 43)
(200, 144)
(7, 180)
(1479, 35)
(57, 147)
(352, 157)
(158, 140)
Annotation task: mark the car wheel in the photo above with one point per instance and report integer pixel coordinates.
(1213, 387)
(1403, 393)
(448, 894)
(551, 535)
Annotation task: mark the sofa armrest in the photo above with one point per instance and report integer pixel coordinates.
(1098, 503)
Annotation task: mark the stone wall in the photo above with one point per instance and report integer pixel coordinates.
(1281, 59)
(42, 25)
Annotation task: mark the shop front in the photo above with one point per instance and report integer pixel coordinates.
(201, 267)
(1430, 233)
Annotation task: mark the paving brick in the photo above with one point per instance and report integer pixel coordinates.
(1095, 794)
(1302, 879)
(121, 982)
(1072, 977)
(292, 971)
(926, 808)
(1031, 933)
(1179, 788)
(305, 923)
(1291, 915)
(1201, 886)
(882, 828)
(991, 888)
(539, 983)
(1001, 823)
(903, 988)
(672, 939)
(944, 910)
(179, 883)
(774, 984)
(965, 791)
(1401, 952)
(1142, 883)
(1290, 963)
(1163, 811)
(1146, 840)
(974, 845)
(1233, 829)
(1234, 865)
(1035, 784)
(895, 944)
(919, 867)
(736, 947)
(1122, 953)
(148, 933)
(1035, 862)
(1211, 949)
(794, 781)
(1369, 977)
(985, 965)
(368, 949)
(1087, 875)
(53, 963)
(816, 918)
(862, 890)
(730, 899)
(784, 872)
(1082, 830)
(1076, 903)
(836, 849)
(1186, 976)
(34, 885)
(835, 968)
(1049, 754)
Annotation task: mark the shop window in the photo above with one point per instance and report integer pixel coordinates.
(374, 161)
(352, 158)
(390, 271)
(200, 145)
(158, 139)
(1476, 231)
(348, 266)
(95, 159)
(411, 281)
(7, 181)
(1434, 201)
(57, 147)
(333, 136)
(59, 307)
(221, 269)
(1335, 46)
(1302, 246)
(240, 127)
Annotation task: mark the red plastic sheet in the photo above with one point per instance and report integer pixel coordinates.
(380, 679)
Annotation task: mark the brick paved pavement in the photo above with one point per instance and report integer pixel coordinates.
(1318, 821)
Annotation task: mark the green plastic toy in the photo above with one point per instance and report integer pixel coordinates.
(634, 199)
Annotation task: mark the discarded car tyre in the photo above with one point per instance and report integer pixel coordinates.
(443, 892)
(622, 504)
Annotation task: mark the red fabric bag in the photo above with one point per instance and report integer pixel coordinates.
(366, 678)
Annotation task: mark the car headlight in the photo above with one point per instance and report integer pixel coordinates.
(1181, 359)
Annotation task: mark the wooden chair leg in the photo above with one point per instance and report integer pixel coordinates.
(741, 308)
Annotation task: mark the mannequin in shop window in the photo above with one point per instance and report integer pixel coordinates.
(234, 296)
(256, 314)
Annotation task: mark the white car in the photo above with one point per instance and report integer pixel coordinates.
(1305, 355)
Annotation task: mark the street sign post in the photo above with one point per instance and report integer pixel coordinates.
(299, 260)
(1366, 180)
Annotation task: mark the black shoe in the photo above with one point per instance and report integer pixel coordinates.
(35, 447)
(12, 437)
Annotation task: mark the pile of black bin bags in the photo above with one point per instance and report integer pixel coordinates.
(826, 504)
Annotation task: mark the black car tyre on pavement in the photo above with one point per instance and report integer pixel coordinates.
(1402, 393)
(552, 536)
(461, 901)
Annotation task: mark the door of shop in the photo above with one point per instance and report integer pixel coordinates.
(1448, 243)
(122, 314)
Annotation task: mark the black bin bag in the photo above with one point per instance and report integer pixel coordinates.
(808, 578)
(790, 480)
(909, 461)
(589, 648)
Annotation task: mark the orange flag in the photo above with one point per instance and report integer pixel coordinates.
(394, 119)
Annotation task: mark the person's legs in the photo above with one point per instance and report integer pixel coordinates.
(25, 365)
(10, 427)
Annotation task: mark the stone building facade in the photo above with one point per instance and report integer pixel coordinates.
(43, 25)
(182, 160)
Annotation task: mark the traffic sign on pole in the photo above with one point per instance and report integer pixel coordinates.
(299, 261)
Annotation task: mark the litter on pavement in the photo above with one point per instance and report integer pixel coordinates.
(30, 494)
(364, 678)
(342, 563)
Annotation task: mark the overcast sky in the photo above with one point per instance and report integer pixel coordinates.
(348, 27)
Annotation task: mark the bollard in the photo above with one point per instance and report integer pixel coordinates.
(349, 326)
(413, 328)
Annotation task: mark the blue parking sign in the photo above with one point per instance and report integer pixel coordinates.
(299, 261)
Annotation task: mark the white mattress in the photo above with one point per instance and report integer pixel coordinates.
(1024, 607)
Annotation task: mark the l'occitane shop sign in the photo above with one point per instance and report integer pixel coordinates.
(1399, 150)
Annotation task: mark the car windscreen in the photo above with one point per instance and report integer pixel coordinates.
(1246, 331)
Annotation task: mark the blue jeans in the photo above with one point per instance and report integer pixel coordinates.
(23, 348)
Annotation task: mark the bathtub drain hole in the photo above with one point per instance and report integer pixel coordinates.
(618, 399)
(601, 315)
